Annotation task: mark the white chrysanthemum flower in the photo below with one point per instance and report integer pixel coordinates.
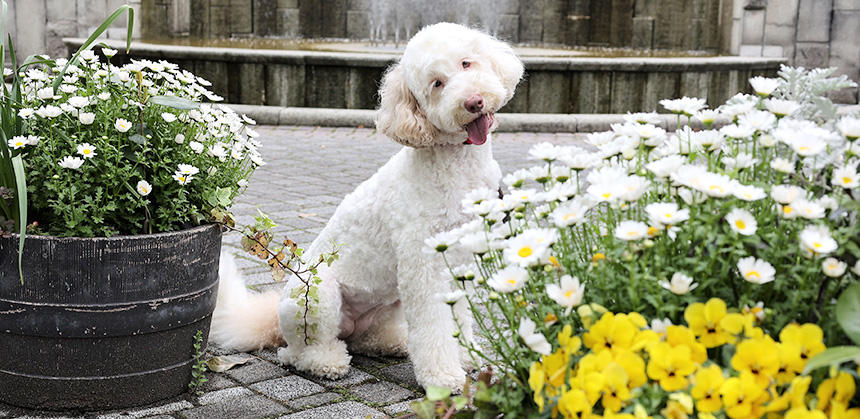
(475, 243)
(631, 230)
(748, 192)
(685, 105)
(68, 88)
(599, 139)
(568, 214)
(122, 125)
(767, 140)
(606, 192)
(808, 209)
(666, 213)
(509, 279)
(523, 196)
(680, 284)
(786, 194)
(103, 96)
(217, 150)
(33, 139)
(634, 187)
(45, 93)
(86, 118)
(642, 118)
(187, 169)
(742, 222)
(715, 185)
(179, 138)
(757, 271)
(764, 86)
(828, 202)
(833, 267)
(568, 293)
(782, 165)
(706, 116)
(807, 145)
(664, 167)
(168, 117)
(70, 162)
(817, 240)
(196, 147)
(849, 126)
(87, 150)
(781, 107)
(441, 241)
(845, 177)
(856, 268)
(49, 111)
(535, 341)
(256, 159)
(182, 178)
(737, 131)
(18, 142)
(708, 139)
(26, 113)
(452, 297)
(476, 196)
(577, 159)
(144, 188)
(524, 250)
(242, 183)
(108, 52)
(741, 161)
(516, 179)
(545, 151)
(79, 101)
(758, 120)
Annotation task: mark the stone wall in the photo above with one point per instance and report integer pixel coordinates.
(661, 24)
(810, 33)
(39, 26)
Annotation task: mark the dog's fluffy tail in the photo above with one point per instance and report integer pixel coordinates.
(243, 320)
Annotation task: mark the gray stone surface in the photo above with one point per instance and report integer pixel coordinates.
(287, 388)
(256, 370)
(354, 376)
(381, 392)
(315, 400)
(345, 410)
(399, 409)
(152, 411)
(224, 396)
(813, 20)
(252, 406)
(402, 374)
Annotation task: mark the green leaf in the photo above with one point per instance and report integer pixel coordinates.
(138, 139)
(435, 393)
(174, 102)
(21, 194)
(832, 356)
(424, 409)
(848, 312)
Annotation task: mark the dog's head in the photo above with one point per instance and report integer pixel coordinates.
(446, 87)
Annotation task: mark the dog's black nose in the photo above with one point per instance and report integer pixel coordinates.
(474, 103)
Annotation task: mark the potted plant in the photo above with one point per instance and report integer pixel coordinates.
(117, 171)
(703, 272)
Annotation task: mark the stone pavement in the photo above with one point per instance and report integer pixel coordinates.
(308, 171)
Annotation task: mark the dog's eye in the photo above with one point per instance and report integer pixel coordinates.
(466, 64)
(437, 83)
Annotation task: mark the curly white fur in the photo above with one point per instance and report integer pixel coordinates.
(381, 295)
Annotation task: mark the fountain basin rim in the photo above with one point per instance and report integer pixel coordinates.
(377, 60)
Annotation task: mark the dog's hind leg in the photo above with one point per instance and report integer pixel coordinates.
(324, 354)
(386, 335)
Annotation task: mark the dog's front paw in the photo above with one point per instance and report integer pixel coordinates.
(453, 379)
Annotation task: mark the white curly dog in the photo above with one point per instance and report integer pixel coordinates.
(380, 297)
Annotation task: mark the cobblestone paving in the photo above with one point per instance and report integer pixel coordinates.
(309, 171)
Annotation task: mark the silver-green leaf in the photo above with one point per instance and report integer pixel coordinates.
(174, 102)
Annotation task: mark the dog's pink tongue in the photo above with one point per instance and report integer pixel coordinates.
(478, 129)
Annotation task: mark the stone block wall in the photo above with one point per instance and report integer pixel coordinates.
(38, 26)
(810, 33)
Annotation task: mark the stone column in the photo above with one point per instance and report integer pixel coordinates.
(30, 20)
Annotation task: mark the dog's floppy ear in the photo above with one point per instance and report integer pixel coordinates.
(399, 115)
(506, 64)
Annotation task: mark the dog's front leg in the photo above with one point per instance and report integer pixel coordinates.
(432, 347)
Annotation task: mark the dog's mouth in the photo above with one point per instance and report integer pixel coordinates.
(478, 129)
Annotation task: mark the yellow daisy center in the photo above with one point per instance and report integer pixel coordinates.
(512, 281)
(740, 224)
(755, 274)
(606, 195)
(787, 209)
(717, 188)
(817, 245)
(568, 294)
(846, 180)
(569, 215)
(632, 233)
(87, 151)
(525, 252)
(803, 148)
(19, 144)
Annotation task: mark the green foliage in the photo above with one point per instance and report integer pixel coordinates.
(848, 315)
(198, 368)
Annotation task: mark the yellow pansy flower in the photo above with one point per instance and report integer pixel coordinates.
(680, 335)
(835, 391)
(589, 312)
(803, 413)
(670, 366)
(794, 397)
(615, 392)
(759, 357)
(573, 403)
(706, 391)
(808, 337)
(611, 332)
(790, 362)
(743, 397)
(712, 324)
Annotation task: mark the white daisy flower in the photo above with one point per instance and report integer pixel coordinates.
(849, 126)
(599, 139)
(108, 52)
(664, 167)
(248, 121)
(833, 267)
(685, 105)
(856, 268)
(26, 113)
(18, 142)
(758, 120)
(87, 150)
(764, 86)
(737, 131)
(569, 213)
(781, 107)
(440, 242)
(179, 138)
(49, 111)
(524, 250)
(168, 117)
(143, 188)
(508, 279)
(757, 271)
(634, 187)
(182, 178)
(631, 230)
(568, 293)
(452, 297)
(845, 177)
(680, 284)
(257, 159)
(103, 96)
(786, 194)
(808, 209)
(817, 240)
(666, 213)
(79, 101)
(787, 211)
(715, 185)
(68, 88)
(122, 125)
(748, 192)
(535, 341)
(706, 116)
(545, 151)
(45, 93)
(187, 169)
(742, 222)
(86, 118)
(642, 118)
(741, 161)
(70, 162)
(196, 147)
(33, 139)
(782, 165)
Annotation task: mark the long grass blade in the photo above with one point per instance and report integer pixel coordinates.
(18, 165)
(100, 30)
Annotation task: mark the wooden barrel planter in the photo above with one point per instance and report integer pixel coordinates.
(104, 323)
